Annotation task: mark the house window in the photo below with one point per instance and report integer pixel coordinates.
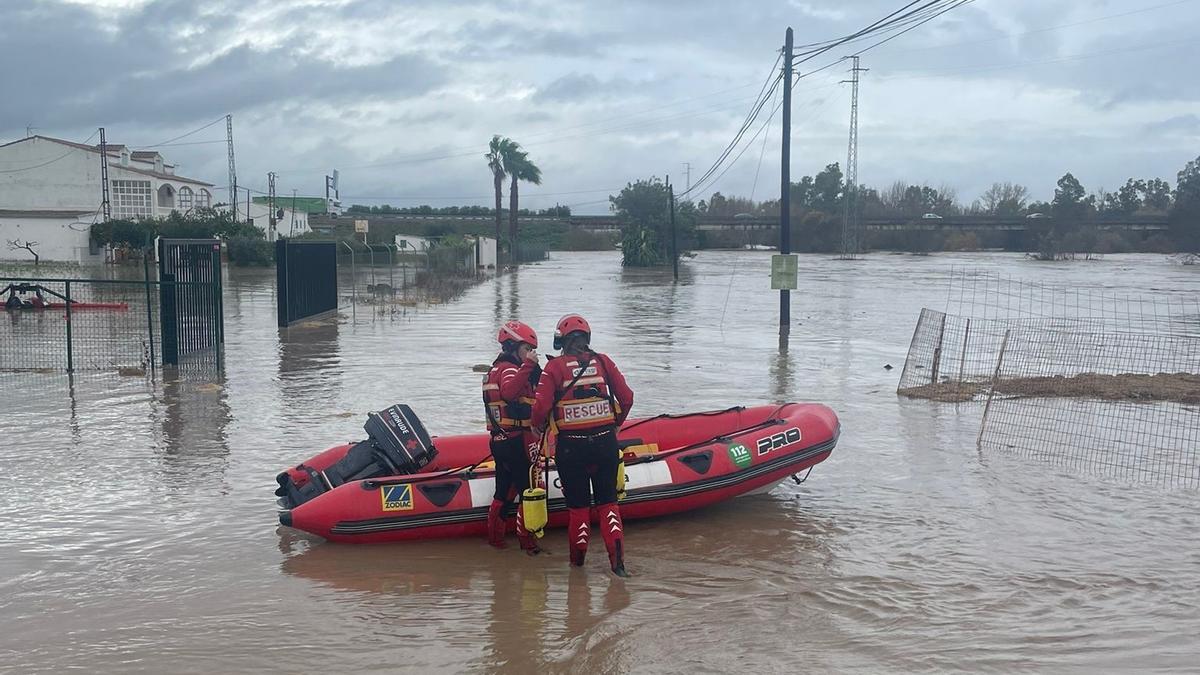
(185, 198)
(166, 197)
(203, 199)
(132, 199)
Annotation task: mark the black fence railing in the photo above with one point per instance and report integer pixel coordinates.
(306, 279)
(190, 299)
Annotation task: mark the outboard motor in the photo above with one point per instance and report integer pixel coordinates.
(397, 444)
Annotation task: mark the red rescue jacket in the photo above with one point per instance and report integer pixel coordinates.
(598, 397)
(508, 393)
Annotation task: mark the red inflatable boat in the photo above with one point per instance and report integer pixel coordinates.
(672, 463)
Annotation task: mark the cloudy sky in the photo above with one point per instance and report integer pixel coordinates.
(402, 97)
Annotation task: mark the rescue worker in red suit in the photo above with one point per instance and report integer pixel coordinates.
(508, 400)
(587, 398)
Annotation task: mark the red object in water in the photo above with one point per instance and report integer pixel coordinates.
(672, 464)
(87, 305)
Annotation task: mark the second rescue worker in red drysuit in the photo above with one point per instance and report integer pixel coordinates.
(508, 399)
(589, 400)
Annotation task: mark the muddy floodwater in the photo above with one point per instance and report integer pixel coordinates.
(138, 527)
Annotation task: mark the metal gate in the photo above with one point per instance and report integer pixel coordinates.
(191, 310)
(306, 279)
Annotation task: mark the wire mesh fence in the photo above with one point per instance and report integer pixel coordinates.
(1085, 378)
(82, 324)
(1124, 405)
(953, 353)
(985, 295)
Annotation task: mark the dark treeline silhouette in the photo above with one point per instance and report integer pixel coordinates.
(1062, 228)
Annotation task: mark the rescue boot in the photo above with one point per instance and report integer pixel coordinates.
(495, 524)
(613, 532)
(578, 531)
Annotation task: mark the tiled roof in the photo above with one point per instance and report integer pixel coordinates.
(117, 148)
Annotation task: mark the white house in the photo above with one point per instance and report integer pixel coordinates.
(486, 249)
(409, 243)
(51, 192)
(290, 224)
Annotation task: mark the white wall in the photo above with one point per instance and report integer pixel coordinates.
(70, 178)
(60, 177)
(408, 243)
(260, 214)
(59, 239)
(487, 252)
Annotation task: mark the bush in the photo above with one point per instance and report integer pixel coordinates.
(448, 255)
(1159, 243)
(246, 251)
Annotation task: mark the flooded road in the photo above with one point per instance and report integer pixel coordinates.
(139, 529)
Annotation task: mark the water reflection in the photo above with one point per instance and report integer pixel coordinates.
(310, 364)
(195, 416)
(781, 376)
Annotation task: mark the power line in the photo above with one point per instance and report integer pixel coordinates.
(1045, 29)
(1038, 62)
(751, 117)
(193, 131)
(906, 17)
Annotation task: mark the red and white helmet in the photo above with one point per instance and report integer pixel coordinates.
(517, 332)
(571, 323)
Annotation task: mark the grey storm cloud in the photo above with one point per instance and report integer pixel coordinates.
(77, 74)
(403, 95)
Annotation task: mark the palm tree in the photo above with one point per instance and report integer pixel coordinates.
(498, 150)
(520, 168)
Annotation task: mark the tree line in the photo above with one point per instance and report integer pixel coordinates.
(1055, 229)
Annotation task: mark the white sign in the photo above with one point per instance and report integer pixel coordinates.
(360, 226)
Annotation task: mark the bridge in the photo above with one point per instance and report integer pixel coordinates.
(608, 223)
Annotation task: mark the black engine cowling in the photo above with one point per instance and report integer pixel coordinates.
(397, 444)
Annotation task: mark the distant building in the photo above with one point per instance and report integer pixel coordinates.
(410, 243)
(51, 193)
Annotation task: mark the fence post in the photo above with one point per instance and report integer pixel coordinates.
(149, 309)
(353, 275)
(391, 268)
(217, 306)
(991, 392)
(962, 361)
(937, 353)
(70, 345)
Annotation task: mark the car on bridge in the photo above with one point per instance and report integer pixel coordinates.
(1036, 215)
(931, 216)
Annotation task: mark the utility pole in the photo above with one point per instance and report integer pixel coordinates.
(105, 204)
(850, 234)
(785, 185)
(687, 170)
(271, 206)
(292, 229)
(233, 194)
(674, 243)
(331, 183)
